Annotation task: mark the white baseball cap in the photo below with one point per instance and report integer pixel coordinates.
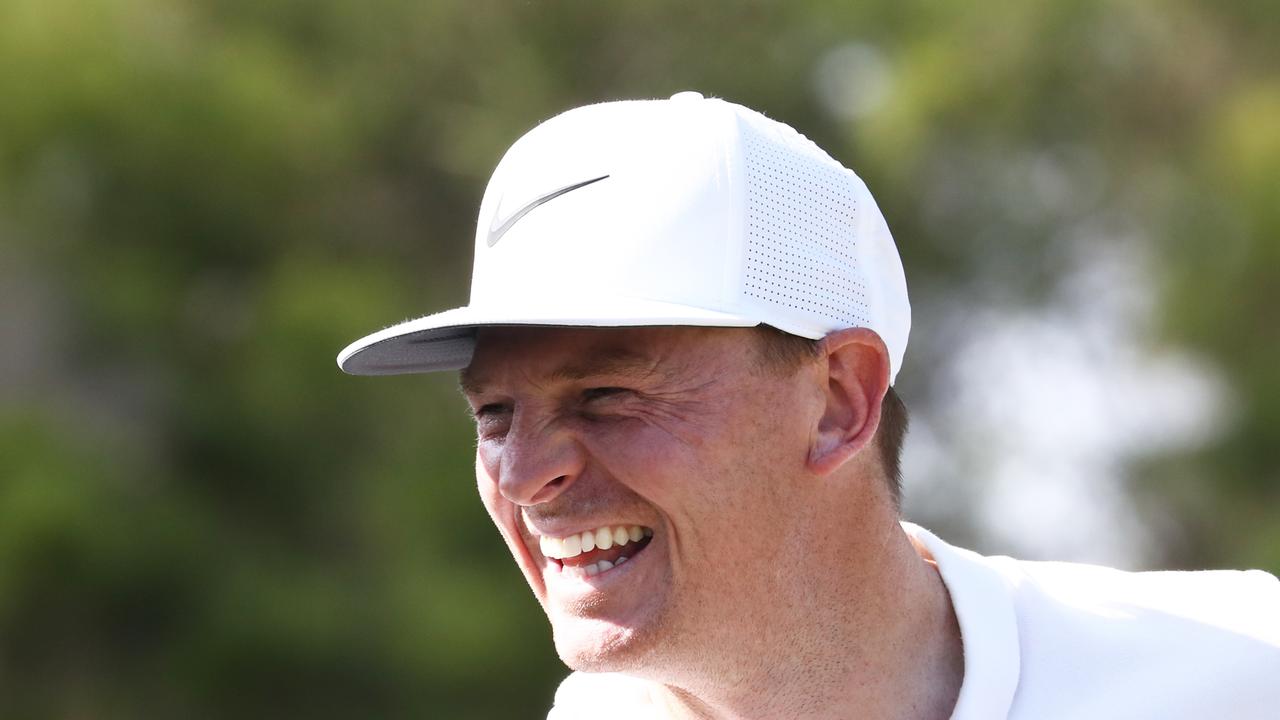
(688, 211)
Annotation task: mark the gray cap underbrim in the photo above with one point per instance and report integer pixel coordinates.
(445, 341)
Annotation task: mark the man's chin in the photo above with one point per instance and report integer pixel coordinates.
(590, 645)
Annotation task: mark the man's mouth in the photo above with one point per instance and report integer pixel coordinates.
(592, 552)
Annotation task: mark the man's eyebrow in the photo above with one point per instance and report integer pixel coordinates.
(469, 385)
(609, 361)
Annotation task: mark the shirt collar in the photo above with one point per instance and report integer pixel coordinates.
(982, 597)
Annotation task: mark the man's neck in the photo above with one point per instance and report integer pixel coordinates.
(884, 643)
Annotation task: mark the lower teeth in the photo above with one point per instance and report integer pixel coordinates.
(598, 567)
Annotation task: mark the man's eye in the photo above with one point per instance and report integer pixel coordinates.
(601, 393)
(490, 409)
(490, 417)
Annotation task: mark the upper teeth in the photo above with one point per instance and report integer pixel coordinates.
(602, 538)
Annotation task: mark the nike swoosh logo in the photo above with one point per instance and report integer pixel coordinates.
(497, 230)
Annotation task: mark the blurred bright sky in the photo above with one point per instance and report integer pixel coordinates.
(1043, 408)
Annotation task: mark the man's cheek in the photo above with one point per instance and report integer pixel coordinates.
(502, 511)
(487, 486)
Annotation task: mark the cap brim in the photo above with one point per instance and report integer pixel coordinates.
(446, 340)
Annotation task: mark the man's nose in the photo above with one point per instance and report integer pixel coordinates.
(539, 462)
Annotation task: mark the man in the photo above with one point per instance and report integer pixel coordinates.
(684, 326)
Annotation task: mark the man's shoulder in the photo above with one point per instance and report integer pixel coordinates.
(1162, 644)
(1172, 644)
(1064, 605)
(585, 695)
(1063, 639)
(1234, 601)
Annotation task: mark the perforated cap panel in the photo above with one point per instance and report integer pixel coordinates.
(801, 220)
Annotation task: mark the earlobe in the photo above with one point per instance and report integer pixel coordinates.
(857, 376)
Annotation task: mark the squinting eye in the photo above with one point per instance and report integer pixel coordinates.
(491, 409)
(492, 420)
(602, 392)
(491, 412)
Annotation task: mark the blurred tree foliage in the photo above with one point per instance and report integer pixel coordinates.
(200, 203)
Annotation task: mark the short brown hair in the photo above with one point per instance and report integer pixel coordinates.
(782, 351)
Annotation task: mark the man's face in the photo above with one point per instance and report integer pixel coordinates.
(678, 442)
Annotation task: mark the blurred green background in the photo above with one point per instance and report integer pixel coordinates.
(202, 202)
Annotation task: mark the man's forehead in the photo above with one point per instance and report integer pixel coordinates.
(567, 354)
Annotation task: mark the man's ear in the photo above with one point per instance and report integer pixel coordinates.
(857, 377)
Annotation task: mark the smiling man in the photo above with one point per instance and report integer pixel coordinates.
(685, 323)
